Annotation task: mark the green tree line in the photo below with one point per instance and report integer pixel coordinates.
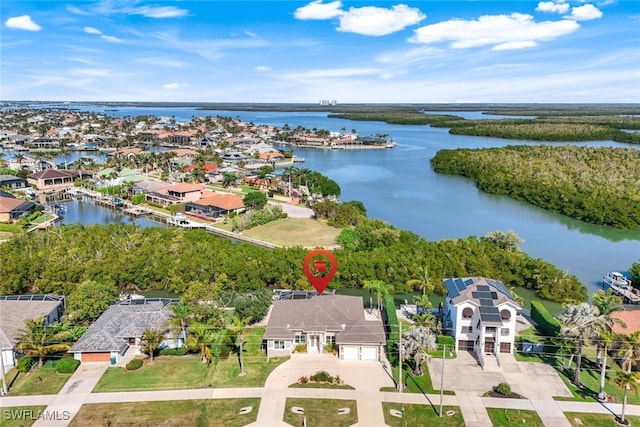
(128, 257)
(599, 185)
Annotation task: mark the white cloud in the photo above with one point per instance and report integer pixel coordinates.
(318, 10)
(23, 22)
(506, 31)
(376, 21)
(162, 62)
(515, 45)
(76, 11)
(112, 39)
(263, 68)
(159, 12)
(174, 86)
(333, 73)
(553, 6)
(91, 30)
(585, 13)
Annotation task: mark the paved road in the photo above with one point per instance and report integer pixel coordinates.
(461, 375)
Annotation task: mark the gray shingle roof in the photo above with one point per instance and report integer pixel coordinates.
(341, 314)
(120, 322)
(13, 313)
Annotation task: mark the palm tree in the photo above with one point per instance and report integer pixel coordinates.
(39, 340)
(426, 319)
(202, 336)
(581, 322)
(423, 282)
(627, 381)
(151, 339)
(181, 314)
(606, 303)
(379, 287)
(237, 327)
(228, 179)
(629, 351)
(20, 158)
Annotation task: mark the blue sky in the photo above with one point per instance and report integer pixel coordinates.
(291, 51)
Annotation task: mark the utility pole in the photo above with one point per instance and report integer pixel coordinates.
(400, 387)
(444, 350)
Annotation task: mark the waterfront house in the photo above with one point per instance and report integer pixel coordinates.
(481, 314)
(12, 208)
(15, 310)
(215, 205)
(52, 179)
(121, 327)
(335, 320)
(176, 193)
(12, 182)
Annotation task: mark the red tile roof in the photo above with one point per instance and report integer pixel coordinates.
(223, 201)
(185, 187)
(631, 318)
(7, 204)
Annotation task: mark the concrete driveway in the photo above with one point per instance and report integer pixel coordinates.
(533, 380)
(366, 377)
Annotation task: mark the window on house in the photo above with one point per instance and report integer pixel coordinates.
(491, 330)
(330, 339)
(505, 314)
(300, 339)
(504, 332)
(467, 313)
(278, 345)
(467, 329)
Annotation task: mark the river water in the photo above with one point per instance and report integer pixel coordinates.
(399, 186)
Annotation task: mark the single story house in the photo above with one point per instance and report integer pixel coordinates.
(215, 205)
(121, 326)
(326, 319)
(481, 314)
(13, 182)
(12, 208)
(14, 310)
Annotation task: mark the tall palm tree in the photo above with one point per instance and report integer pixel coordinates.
(20, 158)
(237, 327)
(580, 322)
(151, 339)
(607, 303)
(39, 340)
(228, 179)
(423, 282)
(629, 350)
(626, 381)
(181, 314)
(379, 287)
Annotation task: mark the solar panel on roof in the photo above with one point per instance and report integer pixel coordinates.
(468, 282)
(483, 288)
(490, 314)
(494, 295)
(483, 295)
(460, 284)
(486, 302)
(452, 289)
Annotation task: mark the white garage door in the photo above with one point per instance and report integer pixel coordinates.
(368, 353)
(349, 353)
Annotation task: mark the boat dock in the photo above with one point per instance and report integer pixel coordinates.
(627, 293)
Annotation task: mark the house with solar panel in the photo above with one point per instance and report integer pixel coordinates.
(481, 315)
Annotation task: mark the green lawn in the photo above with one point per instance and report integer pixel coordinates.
(20, 416)
(510, 417)
(43, 380)
(415, 384)
(597, 420)
(295, 232)
(218, 412)
(321, 412)
(421, 415)
(186, 372)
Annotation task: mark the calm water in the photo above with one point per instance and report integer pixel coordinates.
(399, 186)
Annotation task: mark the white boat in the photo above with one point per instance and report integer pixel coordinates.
(616, 280)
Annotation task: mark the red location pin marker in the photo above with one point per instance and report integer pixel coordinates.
(320, 266)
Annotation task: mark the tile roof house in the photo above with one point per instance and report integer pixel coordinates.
(481, 314)
(631, 319)
(121, 326)
(12, 208)
(215, 205)
(15, 309)
(52, 179)
(321, 320)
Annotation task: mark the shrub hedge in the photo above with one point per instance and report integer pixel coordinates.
(67, 365)
(134, 364)
(25, 363)
(547, 324)
(446, 340)
(393, 329)
(173, 351)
